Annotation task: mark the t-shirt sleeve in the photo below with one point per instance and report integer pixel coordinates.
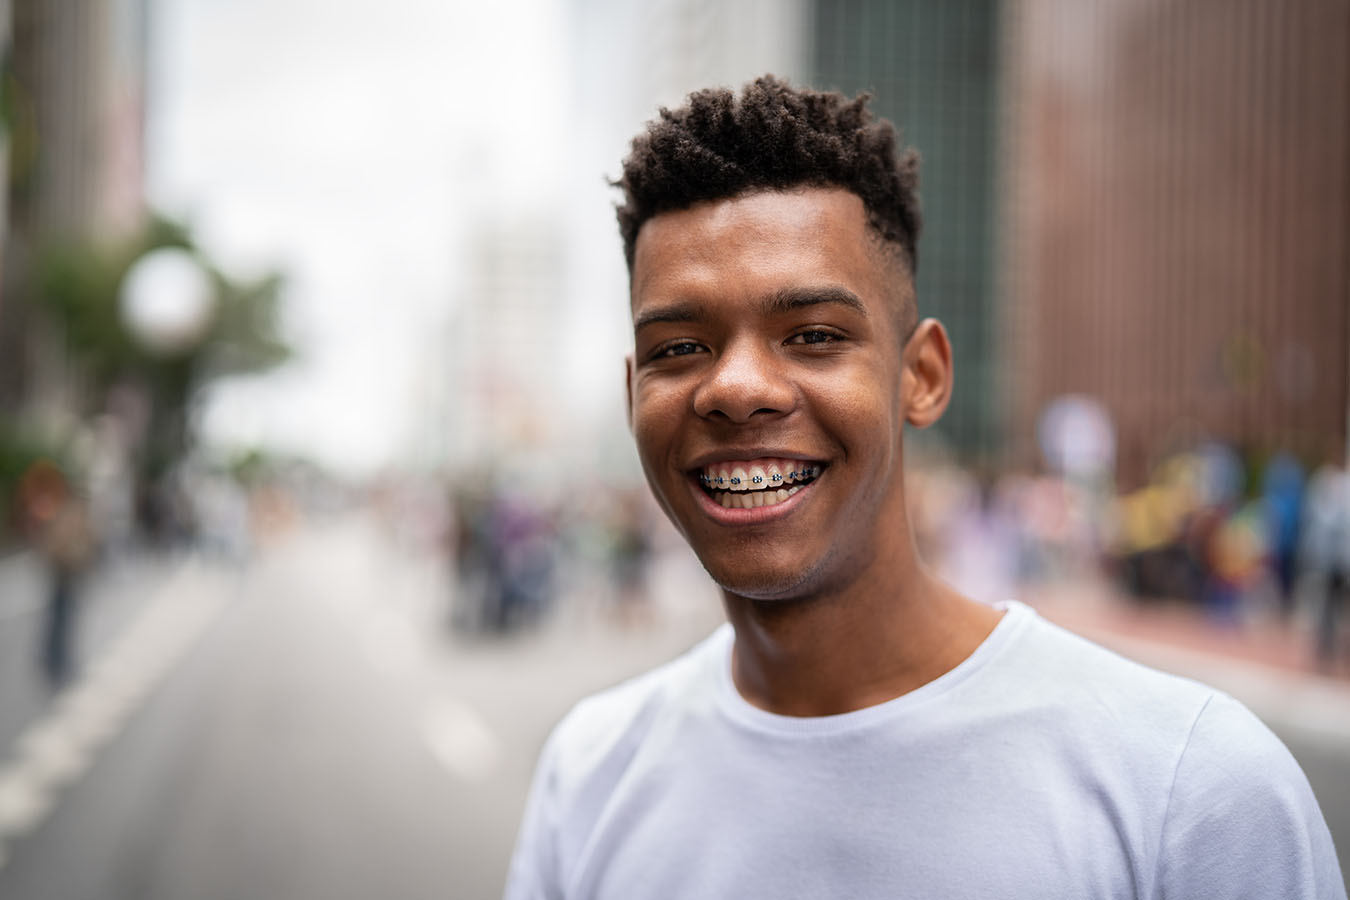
(1241, 821)
(533, 874)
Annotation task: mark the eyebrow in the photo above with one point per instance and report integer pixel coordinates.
(790, 299)
(676, 312)
(785, 300)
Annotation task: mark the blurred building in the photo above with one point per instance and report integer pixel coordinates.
(1145, 201)
(75, 90)
(503, 343)
(934, 71)
(564, 266)
(1178, 220)
(6, 52)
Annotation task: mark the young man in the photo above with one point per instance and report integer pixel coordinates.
(859, 729)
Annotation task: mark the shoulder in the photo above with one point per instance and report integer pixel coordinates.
(1240, 812)
(1232, 812)
(1233, 761)
(592, 750)
(601, 734)
(1062, 673)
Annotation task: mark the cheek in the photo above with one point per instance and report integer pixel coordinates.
(862, 409)
(656, 416)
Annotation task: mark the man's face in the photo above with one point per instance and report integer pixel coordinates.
(767, 388)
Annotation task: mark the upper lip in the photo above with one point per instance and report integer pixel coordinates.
(746, 454)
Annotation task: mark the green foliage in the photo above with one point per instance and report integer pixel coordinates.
(243, 336)
(78, 287)
(251, 467)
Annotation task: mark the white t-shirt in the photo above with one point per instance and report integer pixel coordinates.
(1042, 766)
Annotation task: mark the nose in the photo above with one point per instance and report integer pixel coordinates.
(747, 381)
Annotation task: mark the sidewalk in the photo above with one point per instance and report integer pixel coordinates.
(20, 583)
(111, 595)
(1270, 667)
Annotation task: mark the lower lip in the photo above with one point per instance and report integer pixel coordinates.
(754, 516)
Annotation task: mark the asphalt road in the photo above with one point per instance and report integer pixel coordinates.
(306, 727)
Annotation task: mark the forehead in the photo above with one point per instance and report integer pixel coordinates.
(757, 243)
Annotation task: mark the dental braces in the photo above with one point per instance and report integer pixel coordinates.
(777, 478)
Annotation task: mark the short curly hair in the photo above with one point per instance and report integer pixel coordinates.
(772, 137)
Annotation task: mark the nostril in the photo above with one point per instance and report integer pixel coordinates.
(743, 398)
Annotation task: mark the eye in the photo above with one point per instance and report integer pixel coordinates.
(814, 336)
(678, 348)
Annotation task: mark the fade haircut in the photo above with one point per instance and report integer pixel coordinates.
(772, 137)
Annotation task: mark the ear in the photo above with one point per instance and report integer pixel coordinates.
(927, 379)
(628, 389)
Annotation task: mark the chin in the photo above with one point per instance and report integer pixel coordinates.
(766, 584)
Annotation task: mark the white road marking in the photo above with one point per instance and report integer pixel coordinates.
(390, 644)
(57, 755)
(393, 636)
(24, 801)
(461, 740)
(60, 746)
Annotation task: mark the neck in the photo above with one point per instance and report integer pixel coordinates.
(879, 638)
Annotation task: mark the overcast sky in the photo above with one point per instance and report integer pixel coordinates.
(348, 144)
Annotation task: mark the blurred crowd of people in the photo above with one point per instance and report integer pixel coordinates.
(1241, 539)
(515, 550)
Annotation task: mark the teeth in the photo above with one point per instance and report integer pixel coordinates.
(752, 485)
(740, 479)
(754, 499)
(757, 476)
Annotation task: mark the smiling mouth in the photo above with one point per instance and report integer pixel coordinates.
(754, 483)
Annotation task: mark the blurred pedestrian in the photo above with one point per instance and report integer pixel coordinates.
(630, 556)
(521, 557)
(1282, 494)
(1326, 554)
(58, 520)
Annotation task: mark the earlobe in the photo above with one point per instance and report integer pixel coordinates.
(928, 375)
(628, 389)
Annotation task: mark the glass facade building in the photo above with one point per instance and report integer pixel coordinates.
(933, 71)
